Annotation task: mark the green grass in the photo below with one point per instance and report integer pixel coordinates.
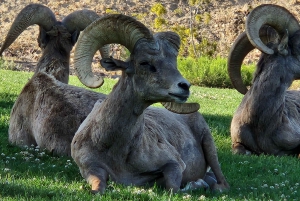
(33, 174)
(212, 72)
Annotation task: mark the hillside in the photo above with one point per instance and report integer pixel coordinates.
(223, 22)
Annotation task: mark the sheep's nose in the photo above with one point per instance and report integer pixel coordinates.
(184, 85)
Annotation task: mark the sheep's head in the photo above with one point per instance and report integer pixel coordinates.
(275, 32)
(152, 64)
(62, 35)
(58, 38)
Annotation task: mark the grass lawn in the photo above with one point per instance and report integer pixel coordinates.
(33, 174)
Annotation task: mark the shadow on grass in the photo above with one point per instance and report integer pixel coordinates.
(219, 124)
(7, 100)
(6, 104)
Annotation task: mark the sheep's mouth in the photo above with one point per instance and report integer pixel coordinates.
(179, 97)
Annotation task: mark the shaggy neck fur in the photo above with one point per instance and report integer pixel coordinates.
(265, 101)
(121, 117)
(55, 63)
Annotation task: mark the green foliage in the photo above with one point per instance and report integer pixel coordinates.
(8, 65)
(205, 71)
(192, 44)
(197, 2)
(207, 18)
(206, 48)
(184, 33)
(178, 11)
(198, 18)
(193, 2)
(159, 22)
(158, 9)
(139, 16)
(111, 11)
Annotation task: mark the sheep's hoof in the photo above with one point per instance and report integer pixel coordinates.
(97, 185)
(220, 187)
(94, 191)
(200, 183)
(99, 191)
(238, 148)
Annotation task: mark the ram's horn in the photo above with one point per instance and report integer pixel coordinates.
(115, 28)
(79, 20)
(181, 108)
(239, 50)
(275, 16)
(31, 14)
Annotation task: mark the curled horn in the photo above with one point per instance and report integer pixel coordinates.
(115, 28)
(79, 20)
(181, 108)
(31, 14)
(267, 14)
(239, 50)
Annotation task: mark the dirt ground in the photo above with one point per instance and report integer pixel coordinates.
(227, 21)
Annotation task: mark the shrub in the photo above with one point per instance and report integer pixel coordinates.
(8, 65)
(111, 11)
(207, 18)
(198, 18)
(178, 11)
(139, 16)
(197, 2)
(211, 72)
(159, 22)
(204, 48)
(158, 9)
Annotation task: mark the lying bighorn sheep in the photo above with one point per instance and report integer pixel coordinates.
(268, 119)
(48, 112)
(123, 138)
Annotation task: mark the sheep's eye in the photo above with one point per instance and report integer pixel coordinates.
(148, 66)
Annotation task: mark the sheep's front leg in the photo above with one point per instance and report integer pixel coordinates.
(98, 180)
(173, 176)
(211, 156)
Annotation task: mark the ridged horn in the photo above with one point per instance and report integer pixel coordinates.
(268, 14)
(79, 20)
(181, 108)
(31, 14)
(239, 50)
(115, 28)
(104, 51)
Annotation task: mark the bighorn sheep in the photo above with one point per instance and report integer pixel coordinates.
(122, 138)
(48, 112)
(268, 119)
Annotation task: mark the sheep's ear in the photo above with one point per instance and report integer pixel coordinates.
(74, 37)
(282, 47)
(43, 38)
(111, 64)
